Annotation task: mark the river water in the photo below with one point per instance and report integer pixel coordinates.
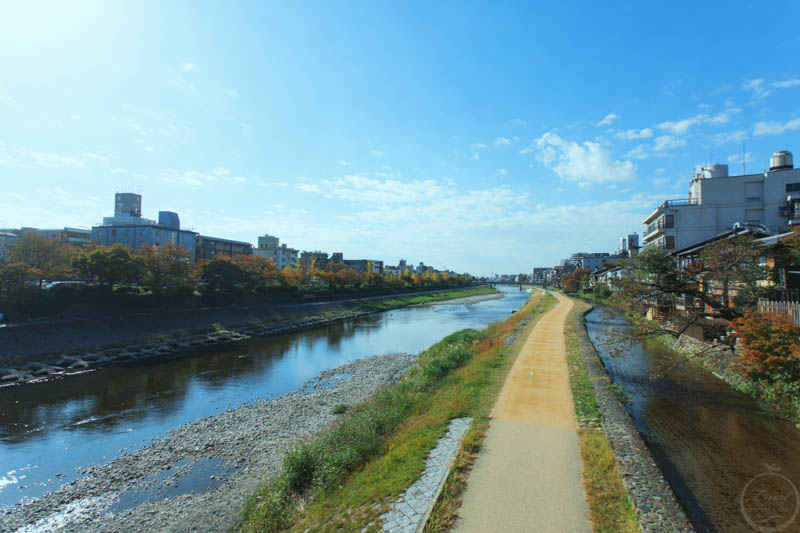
(51, 431)
(732, 466)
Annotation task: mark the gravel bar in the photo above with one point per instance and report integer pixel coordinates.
(244, 445)
(656, 505)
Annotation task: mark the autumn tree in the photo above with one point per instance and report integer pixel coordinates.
(770, 346)
(165, 268)
(222, 274)
(574, 281)
(48, 257)
(17, 282)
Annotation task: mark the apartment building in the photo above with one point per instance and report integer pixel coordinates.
(211, 247)
(269, 247)
(717, 202)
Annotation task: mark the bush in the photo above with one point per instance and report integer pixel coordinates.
(771, 345)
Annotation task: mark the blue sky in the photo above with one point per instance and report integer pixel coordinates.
(481, 137)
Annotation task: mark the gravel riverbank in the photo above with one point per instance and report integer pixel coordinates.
(198, 476)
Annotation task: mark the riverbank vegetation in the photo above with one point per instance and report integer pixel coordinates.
(397, 302)
(45, 276)
(610, 508)
(345, 477)
(714, 297)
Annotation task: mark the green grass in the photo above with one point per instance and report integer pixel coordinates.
(346, 476)
(405, 301)
(610, 508)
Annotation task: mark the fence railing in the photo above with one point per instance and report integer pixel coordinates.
(781, 307)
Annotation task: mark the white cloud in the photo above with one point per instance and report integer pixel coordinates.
(608, 119)
(526, 150)
(233, 93)
(96, 157)
(221, 171)
(756, 86)
(56, 161)
(500, 141)
(187, 66)
(639, 152)
(519, 122)
(775, 128)
(7, 100)
(376, 153)
(737, 158)
(478, 146)
(344, 163)
(582, 162)
(585, 185)
(502, 171)
(665, 142)
(630, 135)
(310, 187)
(681, 127)
(148, 148)
(75, 116)
(785, 84)
(363, 189)
(730, 137)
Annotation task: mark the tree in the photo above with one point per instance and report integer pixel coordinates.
(223, 274)
(48, 257)
(109, 265)
(17, 282)
(165, 268)
(732, 265)
(770, 345)
(574, 281)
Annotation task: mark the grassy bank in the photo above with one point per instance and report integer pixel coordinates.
(345, 477)
(610, 508)
(396, 302)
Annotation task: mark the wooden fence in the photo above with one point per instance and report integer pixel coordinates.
(782, 307)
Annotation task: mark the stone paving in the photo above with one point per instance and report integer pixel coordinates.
(410, 512)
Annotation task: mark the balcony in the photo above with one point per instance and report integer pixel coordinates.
(657, 227)
(680, 202)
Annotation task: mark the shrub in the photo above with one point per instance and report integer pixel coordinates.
(771, 346)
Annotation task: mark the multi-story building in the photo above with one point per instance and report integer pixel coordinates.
(211, 247)
(68, 235)
(270, 247)
(317, 258)
(129, 228)
(717, 202)
(629, 245)
(7, 240)
(541, 275)
(364, 265)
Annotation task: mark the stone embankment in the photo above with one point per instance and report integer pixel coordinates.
(656, 505)
(198, 477)
(74, 363)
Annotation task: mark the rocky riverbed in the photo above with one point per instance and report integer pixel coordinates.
(198, 476)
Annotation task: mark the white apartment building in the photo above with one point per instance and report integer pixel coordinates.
(269, 247)
(717, 202)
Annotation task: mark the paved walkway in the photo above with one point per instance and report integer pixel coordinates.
(528, 475)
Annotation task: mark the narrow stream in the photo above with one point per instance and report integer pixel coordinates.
(733, 467)
(50, 432)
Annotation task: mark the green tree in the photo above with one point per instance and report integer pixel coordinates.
(222, 274)
(109, 265)
(17, 282)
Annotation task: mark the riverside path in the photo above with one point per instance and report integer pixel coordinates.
(528, 476)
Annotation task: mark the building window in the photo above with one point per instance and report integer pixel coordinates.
(113, 233)
(669, 242)
(669, 221)
(793, 187)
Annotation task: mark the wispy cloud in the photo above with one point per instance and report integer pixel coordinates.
(7, 100)
(478, 146)
(785, 84)
(681, 127)
(519, 122)
(775, 128)
(665, 142)
(729, 137)
(608, 120)
(582, 162)
(344, 163)
(501, 141)
(502, 171)
(56, 161)
(757, 87)
(376, 153)
(188, 66)
(630, 135)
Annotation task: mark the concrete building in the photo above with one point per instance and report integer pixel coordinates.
(319, 259)
(269, 247)
(541, 275)
(629, 245)
(717, 202)
(129, 228)
(211, 247)
(7, 240)
(364, 265)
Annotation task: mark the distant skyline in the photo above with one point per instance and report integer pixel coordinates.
(480, 137)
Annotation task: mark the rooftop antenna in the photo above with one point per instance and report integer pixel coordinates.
(743, 156)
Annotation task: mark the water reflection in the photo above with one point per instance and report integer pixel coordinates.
(708, 439)
(62, 426)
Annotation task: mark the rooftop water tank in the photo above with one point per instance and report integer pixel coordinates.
(169, 219)
(781, 161)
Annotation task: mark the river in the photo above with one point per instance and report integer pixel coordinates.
(733, 467)
(51, 431)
